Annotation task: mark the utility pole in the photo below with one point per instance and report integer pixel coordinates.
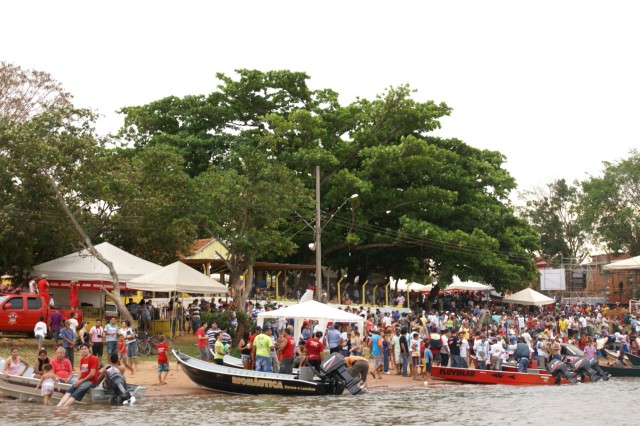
(318, 246)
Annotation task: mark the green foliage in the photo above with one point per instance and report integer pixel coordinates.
(611, 204)
(554, 212)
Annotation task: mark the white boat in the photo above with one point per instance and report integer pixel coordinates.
(24, 387)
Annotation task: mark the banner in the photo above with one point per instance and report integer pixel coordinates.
(552, 279)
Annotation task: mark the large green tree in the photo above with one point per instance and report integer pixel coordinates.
(554, 212)
(611, 204)
(438, 205)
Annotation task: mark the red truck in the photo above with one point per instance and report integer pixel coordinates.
(20, 312)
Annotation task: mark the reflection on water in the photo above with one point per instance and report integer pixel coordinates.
(609, 402)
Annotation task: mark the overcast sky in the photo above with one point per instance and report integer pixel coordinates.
(553, 85)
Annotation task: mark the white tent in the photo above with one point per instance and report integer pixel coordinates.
(623, 265)
(83, 266)
(311, 310)
(528, 297)
(467, 285)
(404, 285)
(177, 277)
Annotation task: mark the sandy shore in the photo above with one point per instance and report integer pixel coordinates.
(179, 384)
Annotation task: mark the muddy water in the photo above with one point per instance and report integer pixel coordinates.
(606, 403)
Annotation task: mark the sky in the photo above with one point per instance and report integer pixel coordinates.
(552, 85)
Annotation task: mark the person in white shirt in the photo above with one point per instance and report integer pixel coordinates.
(386, 321)
(464, 352)
(482, 347)
(527, 337)
(497, 352)
(39, 331)
(33, 285)
(73, 323)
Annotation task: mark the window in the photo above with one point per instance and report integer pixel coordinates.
(34, 303)
(16, 303)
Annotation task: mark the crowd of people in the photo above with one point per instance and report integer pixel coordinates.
(454, 334)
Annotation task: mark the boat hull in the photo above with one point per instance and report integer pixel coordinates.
(237, 381)
(25, 388)
(634, 359)
(490, 377)
(621, 371)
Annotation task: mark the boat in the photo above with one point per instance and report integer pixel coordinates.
(492, 377)
(633, 359)
(615, 371)
(235, 362)
(332, 379)
(24, 387)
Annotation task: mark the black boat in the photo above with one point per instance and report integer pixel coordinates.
(332, 378)
(615, 371)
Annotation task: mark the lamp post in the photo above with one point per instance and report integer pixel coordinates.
(317, 246)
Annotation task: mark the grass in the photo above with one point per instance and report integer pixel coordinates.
(29, 351)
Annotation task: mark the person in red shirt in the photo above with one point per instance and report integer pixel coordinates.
(202, 342)
(88, 377)
(163, 361)
(74, 301)
(62, 367)
(286, 344)
(43, 288)
(314, 349)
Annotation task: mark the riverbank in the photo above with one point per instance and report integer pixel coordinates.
(179, 384)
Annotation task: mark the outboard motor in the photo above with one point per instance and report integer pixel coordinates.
(334, 369)
(117, 384)
(559, 369)
(582, 367)
(595, 366)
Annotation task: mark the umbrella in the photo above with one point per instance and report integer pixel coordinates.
(528, 297)
(623, 265)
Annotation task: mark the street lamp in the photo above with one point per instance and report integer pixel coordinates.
(317, 246)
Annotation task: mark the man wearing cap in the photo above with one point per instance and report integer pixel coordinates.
(43, 289)
(314, 350)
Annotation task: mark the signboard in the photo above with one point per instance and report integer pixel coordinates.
(552, 279)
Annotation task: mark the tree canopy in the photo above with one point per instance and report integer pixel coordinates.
(612, 205)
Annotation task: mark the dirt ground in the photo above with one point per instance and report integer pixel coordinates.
(179, 384)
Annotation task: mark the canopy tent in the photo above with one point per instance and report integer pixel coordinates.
(177, 277)
(404, 285)
(528, 297)
(623, 265)
(467, 285)
(312, 310)
(83, 266)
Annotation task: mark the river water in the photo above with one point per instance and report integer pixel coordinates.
(610, 403)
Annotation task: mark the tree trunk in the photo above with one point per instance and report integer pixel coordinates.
(115, 296)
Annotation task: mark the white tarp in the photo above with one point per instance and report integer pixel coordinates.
(528, 297)
(467, 285)
(623, 265)
(177, 277)
(312, 310)
(404, 285)
(83, 266)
